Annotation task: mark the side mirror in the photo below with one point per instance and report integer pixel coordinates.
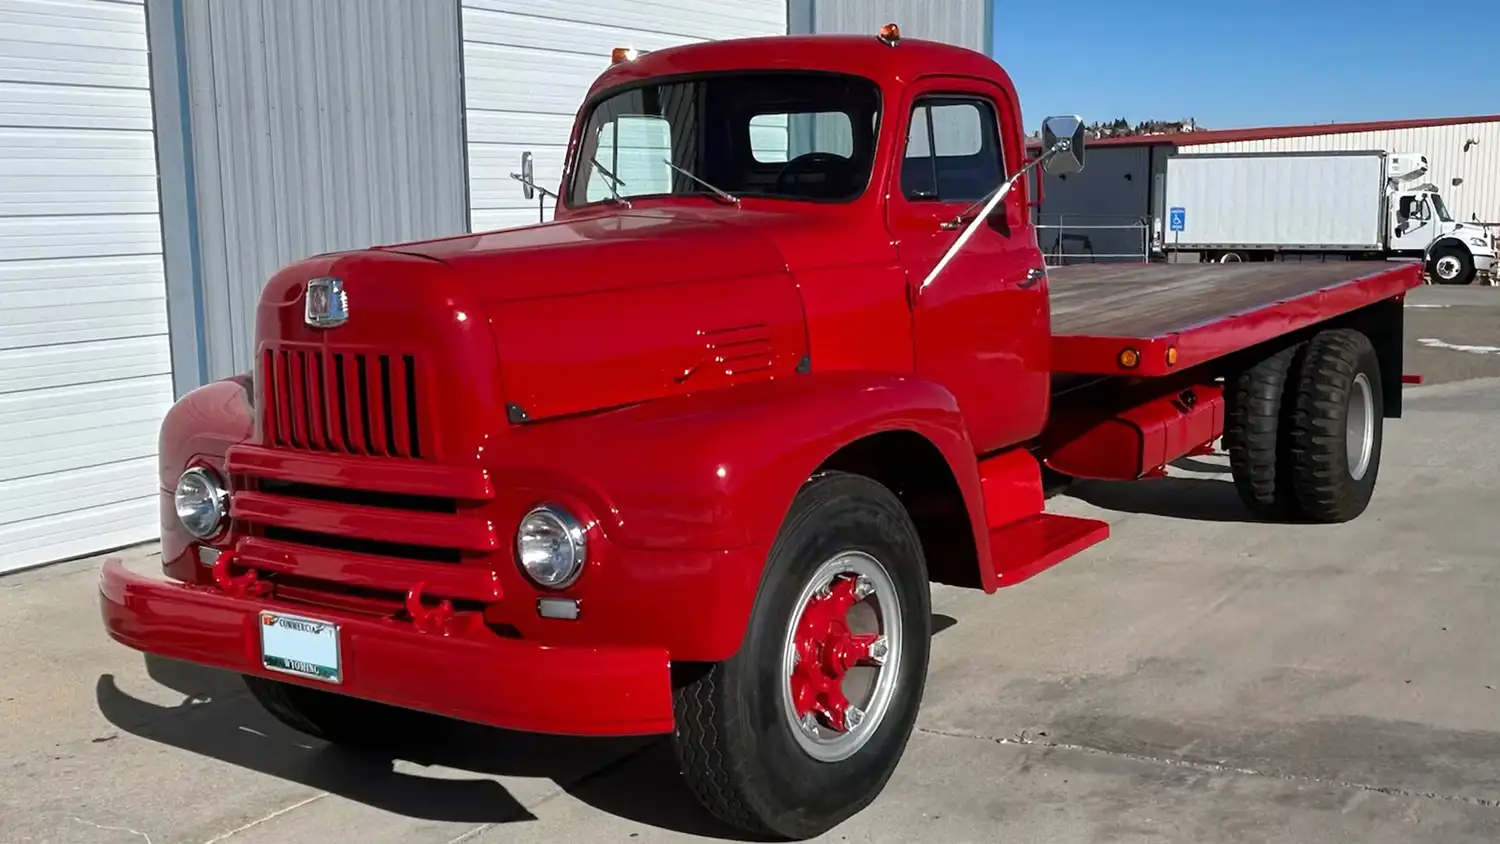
(1062, 144)
(527, 182)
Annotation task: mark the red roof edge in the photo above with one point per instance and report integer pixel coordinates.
(1224, 136)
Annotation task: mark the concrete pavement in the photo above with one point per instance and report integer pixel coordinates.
(1198, 678)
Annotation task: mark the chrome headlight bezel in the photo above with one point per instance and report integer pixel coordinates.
(210, 491)
(551, 523)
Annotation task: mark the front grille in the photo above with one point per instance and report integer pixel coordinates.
(342, 402)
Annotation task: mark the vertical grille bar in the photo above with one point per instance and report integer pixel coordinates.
(328, 406)
(268, 403)
(297, 397)
(285, 435)
(418, 446)
(399, 429)
(357, 392)
(376, 404)
(312, 368)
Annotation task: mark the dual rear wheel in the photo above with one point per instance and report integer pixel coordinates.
(1304, 429)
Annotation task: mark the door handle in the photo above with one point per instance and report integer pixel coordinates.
(1034, 276)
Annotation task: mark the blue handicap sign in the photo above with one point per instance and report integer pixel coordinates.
(1178, 219)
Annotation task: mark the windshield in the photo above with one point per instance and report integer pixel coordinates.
(786, 135)
(1439, 208)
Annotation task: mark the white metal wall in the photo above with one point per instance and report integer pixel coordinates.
(85, 372)
(529, 63)
(317, 125)
(1469, 152)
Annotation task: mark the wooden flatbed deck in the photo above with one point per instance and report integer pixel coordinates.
(1204, 310)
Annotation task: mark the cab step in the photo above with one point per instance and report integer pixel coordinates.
(1036, 543)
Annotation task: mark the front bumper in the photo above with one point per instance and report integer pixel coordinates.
(472, 674)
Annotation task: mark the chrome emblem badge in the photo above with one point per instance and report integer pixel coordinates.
(327, 305)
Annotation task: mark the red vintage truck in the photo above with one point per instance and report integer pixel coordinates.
(686, 459)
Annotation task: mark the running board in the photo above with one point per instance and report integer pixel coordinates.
(1036, 543)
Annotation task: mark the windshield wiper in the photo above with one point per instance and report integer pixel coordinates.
(727, 197)
(612, 182)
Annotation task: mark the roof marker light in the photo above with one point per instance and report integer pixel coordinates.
(890, 34)
(623, 54)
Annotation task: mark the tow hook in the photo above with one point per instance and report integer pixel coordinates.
(247, 585)
(438, 619)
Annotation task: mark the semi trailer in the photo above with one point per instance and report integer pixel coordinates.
(686, 459)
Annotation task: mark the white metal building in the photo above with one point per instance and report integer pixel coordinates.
(1124, 182)
(159, 159)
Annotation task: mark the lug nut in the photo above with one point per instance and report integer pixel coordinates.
(853, 717)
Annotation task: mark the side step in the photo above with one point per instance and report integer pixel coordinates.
(1036, 543)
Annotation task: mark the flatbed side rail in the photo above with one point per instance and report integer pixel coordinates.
(1191, 345)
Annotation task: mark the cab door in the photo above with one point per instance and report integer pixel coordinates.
(981, 326)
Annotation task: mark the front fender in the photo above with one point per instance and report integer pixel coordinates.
(198, 428)
(717, 471)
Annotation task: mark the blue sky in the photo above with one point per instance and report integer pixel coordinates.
(1232, 63)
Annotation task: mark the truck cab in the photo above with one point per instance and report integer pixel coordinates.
(856, 182)
(1420, 224)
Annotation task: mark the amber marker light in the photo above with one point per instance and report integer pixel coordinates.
(890, 34)
(1171, 356)
(1129, 358)
(623, 54)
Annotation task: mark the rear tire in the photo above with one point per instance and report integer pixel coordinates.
(1336, 428)
(747, 755)
(1255, 414)
(335, 718)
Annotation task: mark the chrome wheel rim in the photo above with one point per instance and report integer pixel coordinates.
(1448, 267)
(1359, 427)
(840, 656)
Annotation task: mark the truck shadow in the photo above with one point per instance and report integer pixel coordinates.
(635, 779)
(1193, 499)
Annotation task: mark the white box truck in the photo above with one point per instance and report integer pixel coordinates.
(1358, 205)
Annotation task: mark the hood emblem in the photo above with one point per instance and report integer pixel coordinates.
(327, 305)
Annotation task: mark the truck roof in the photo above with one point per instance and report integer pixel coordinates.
(1204, 311)
(862, 55)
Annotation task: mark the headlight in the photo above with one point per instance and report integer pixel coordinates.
(1478, 241)
(551, 546)
(202, 502)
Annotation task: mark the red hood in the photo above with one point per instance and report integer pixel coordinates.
(597, 254)
(600, 312)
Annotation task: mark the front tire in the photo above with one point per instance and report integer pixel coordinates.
(1336, 429)
(1450, 263)
(802, 728)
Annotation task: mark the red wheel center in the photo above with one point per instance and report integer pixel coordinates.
(826, 650)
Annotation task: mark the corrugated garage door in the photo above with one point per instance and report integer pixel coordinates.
(85, 374)
(529, 63)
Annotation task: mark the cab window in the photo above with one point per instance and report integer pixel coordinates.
(952, 150)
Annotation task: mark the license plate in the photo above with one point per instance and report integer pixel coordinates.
(302, 646)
